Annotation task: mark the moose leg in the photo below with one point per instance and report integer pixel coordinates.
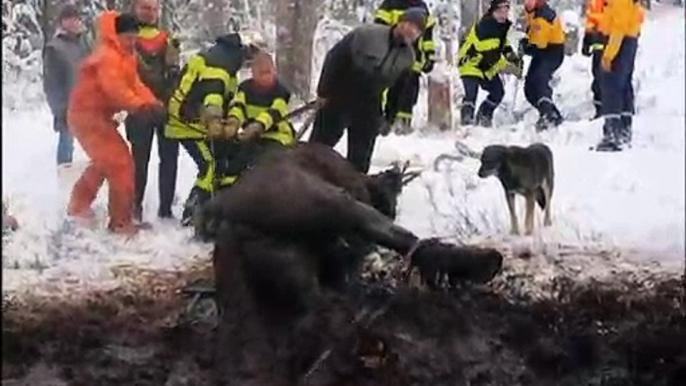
(514, 226)
(529, 217)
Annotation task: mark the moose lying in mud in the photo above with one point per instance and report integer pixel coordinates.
(297, 223)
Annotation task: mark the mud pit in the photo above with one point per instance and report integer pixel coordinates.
(589, 334)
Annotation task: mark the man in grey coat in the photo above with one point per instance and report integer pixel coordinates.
(62, 56)
(356, 71)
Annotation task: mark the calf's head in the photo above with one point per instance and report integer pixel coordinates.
(385, 187)
(492, 158)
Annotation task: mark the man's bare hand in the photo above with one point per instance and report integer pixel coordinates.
(251, 131)
(230, 129)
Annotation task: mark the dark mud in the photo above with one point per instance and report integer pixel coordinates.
(592, 335)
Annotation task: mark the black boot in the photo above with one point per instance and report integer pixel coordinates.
(195, 200)
(625, 131)
(467, 114)
(484, 116)
(610, 131)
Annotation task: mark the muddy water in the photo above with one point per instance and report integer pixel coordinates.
(593, 336)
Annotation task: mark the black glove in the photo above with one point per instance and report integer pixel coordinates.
(586, 45)
(524, 46)
(151, 115)
(428, 66)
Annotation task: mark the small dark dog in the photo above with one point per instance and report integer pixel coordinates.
(526, 171)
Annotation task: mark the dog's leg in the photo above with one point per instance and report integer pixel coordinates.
(529, 216)
(514, 226)
(546, 190)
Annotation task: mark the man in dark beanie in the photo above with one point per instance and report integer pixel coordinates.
(401, 98)
(108, 83)
(61, 58)
(484, 54)
(356, 71)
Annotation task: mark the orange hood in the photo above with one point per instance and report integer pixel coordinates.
(106, 30)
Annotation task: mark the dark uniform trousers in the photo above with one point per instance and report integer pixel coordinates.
(537, 90)
(496, 93)
(363, 128)
(597, 73)
(140, 134)
(617, 90)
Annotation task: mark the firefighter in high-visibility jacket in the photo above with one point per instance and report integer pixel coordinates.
(545, 44)
(621, 24)
(484, 54)
(259, 108)
(197, 108)
(593, 45)
(402, 96)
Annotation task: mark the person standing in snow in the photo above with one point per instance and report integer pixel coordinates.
(593, 45)
(621, 25)
(197, 108)
(402, 96)
(108, 83)
(483, 55)
(61, 58)
(356, 71)
(158, 68)
(544, 42)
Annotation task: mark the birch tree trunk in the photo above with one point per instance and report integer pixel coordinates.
(296, 24)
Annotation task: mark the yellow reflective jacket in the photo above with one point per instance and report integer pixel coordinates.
(544, 29)
(265, 106)
(621, 18)
(208, 79)
(389, 13)
(481, 54)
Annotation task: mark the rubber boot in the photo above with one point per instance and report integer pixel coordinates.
(467, 114)
(484, 116)
(625, 131)
(196, 198)
(610, 130)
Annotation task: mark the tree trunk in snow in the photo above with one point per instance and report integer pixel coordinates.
(296, 24)
(439, 99)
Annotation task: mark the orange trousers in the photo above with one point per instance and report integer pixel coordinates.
(111, 160)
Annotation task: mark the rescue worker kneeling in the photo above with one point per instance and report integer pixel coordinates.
(208, 84)
(545, 44)
(259, 108)
(484, 54)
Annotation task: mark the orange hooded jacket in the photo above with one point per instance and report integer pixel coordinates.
(108, 79)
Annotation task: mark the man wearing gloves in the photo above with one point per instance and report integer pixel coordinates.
(356, 71)
(108, 83)
(197, 108)
(402, 96)
(545, 44)
(483, 55)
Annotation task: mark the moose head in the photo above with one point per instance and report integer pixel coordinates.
(385, 187)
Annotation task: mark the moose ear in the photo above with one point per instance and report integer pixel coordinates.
(409, 177)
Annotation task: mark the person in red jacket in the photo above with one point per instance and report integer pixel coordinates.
(108, 83)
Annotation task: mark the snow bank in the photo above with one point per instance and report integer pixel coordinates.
(629, 204)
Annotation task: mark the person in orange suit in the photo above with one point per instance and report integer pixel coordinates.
(108, 83)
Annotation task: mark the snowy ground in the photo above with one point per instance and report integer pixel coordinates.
(630, 202)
